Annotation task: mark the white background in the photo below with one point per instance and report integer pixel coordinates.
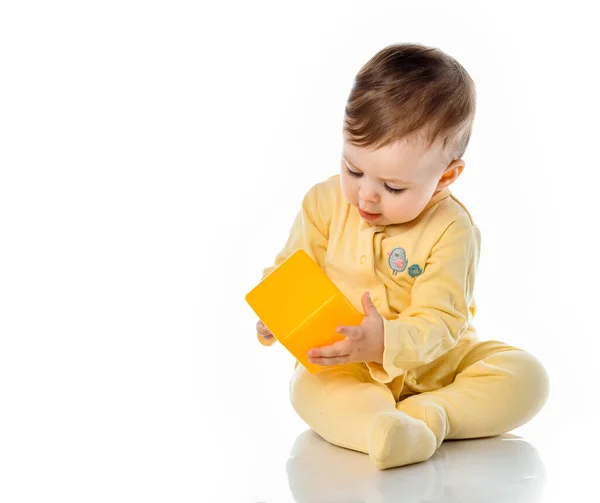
(152, 158)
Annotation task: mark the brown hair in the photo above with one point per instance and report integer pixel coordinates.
(411, 88)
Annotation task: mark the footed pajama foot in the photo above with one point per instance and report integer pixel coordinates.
(396, 439)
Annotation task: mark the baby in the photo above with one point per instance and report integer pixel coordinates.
(404, 251)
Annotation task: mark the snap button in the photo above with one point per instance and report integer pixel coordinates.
(413, 380)
(376, 302)
(363, 259)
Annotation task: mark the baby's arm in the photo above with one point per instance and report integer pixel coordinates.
(440, 305)
(309, 232)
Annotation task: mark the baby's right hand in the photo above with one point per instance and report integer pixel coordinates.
(263, 331)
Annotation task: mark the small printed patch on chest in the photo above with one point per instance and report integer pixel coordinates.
(397, 260)
(414, 270)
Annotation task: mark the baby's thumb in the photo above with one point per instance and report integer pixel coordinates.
(368, 306)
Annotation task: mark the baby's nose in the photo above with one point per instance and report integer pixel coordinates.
(368, 194)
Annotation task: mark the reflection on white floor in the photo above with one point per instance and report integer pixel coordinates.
(503, 469)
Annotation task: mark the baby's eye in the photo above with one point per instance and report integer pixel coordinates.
(393, 190)
(358, 175)
(353, 173)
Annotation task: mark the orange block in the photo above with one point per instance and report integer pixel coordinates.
(302, 307)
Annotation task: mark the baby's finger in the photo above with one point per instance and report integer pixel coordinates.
(340, 348)
(261, 327)
(351, 332)
(338, 360)
(263, 330)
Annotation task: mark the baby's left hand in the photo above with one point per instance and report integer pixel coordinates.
(363, 343)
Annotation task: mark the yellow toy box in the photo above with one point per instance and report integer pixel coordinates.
(302, 307)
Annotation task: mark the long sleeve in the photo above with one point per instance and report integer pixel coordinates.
(441, 305)
(309, 232)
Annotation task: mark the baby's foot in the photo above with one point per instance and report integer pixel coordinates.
(396, 439)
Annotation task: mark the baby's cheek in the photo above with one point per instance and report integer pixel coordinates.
(401, 209)
(414, 205)
(348, 189)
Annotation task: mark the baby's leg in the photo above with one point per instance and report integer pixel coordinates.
(339, 403)
(346, 407)
(492, 396)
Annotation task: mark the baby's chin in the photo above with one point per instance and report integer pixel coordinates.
(382, 220)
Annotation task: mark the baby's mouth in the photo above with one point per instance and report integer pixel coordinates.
(368, 216)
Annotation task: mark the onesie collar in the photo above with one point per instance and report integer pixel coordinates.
(442, 194)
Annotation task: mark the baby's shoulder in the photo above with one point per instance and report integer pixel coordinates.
(325, 196)
(330, 188)
(451, 210)
(447, 221)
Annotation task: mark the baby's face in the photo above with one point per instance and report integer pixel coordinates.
(394, 182)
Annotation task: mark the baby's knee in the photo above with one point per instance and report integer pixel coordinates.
(331, 387)
(304, 384)
(300, 386)
(528, 377)
(536, 374)
(307, 390)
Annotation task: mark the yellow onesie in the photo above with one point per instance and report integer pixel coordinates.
(438, 380)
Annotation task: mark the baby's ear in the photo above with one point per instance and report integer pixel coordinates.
(451, 174)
